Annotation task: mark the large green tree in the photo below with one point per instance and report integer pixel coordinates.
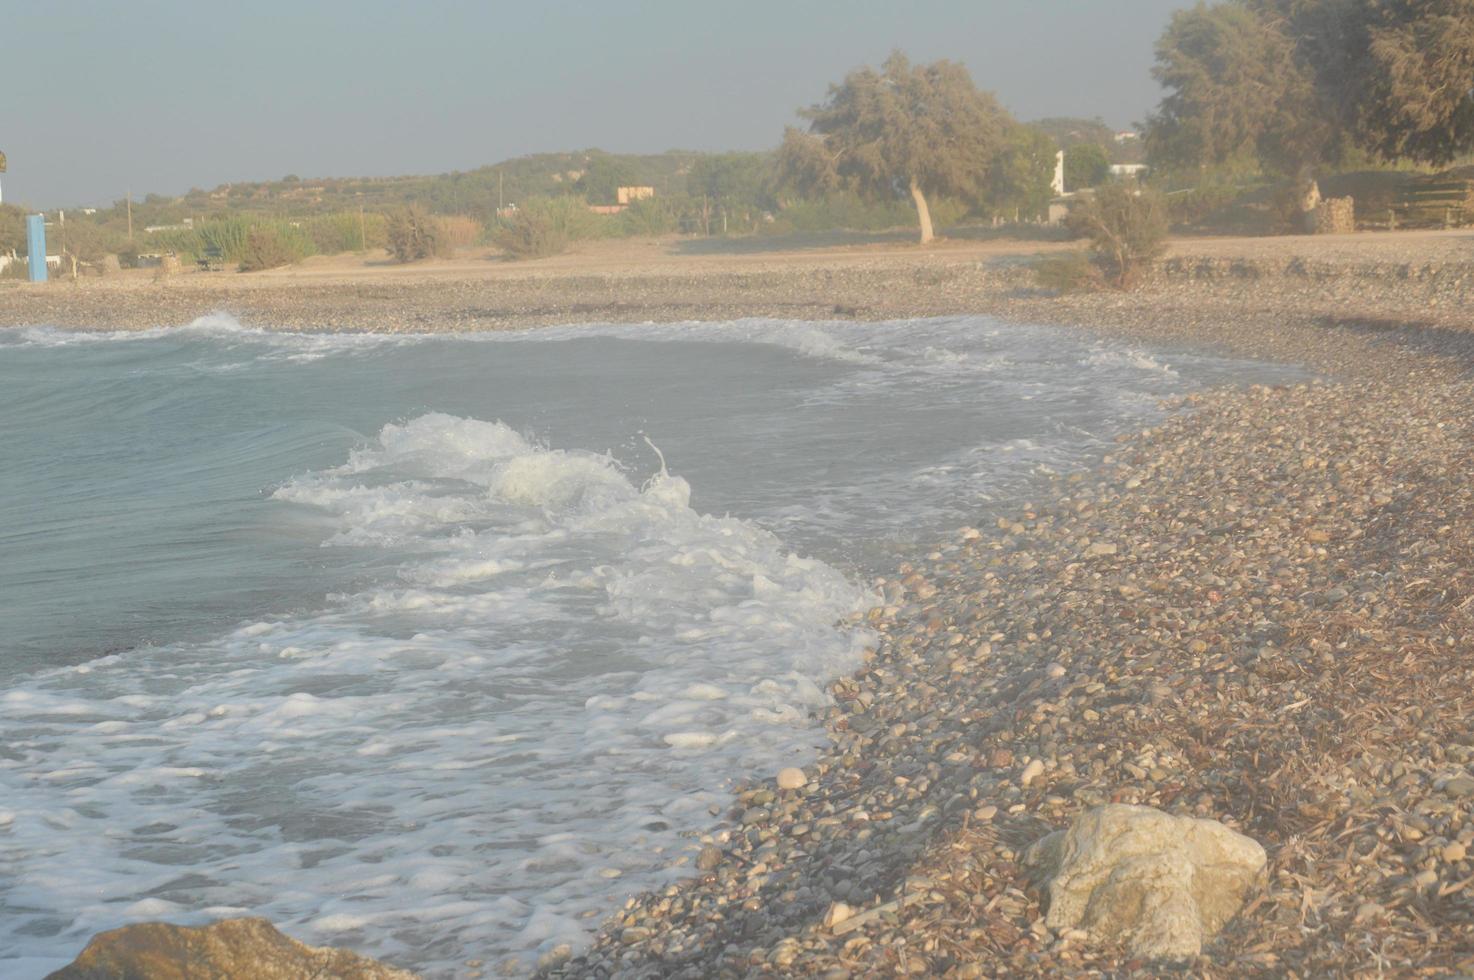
(1086, 165)
(736, 182)
(1234, 92)
(920, 129)
(1418, 94)
(1021, 177)
(1288, 85)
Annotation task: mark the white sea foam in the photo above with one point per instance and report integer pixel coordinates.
(558, 649)
(494, 676)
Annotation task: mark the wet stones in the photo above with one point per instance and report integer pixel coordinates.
(791, 778)
(229, 948)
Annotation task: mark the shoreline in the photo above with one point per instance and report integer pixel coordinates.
(1261, 611)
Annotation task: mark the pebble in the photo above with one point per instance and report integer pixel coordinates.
(1273, 547)
(1460, 786)
(791, 778)
(838, 912)
(1031, 772)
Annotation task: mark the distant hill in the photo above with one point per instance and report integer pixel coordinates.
(474, 192)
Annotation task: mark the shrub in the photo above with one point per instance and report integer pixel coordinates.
(229, 235)
(545, 226)
(456, 231)
(413, 234)
(12, 229)
(128, 255)
(1127, 230)
(347, 231)
(1068, 272)
(1192, 206)
(850, 212)
(271, 245)
(646, 217)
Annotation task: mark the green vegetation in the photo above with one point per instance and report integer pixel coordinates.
(268, 246)
(1086, 165)
(1295, 88)
(413, 234)
(924, 128)
(545, 226)
(12, 229)
(603, 176)
(1127, 231)
(1266, 102)
(1020, 179)
(651, 216)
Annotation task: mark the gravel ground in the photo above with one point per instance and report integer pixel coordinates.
(1261, 611)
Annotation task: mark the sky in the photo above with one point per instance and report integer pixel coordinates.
(161, 96)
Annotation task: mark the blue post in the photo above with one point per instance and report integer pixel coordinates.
(36, 243)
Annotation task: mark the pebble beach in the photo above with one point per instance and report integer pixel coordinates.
(1260, 611)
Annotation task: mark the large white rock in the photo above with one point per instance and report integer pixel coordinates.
(1160, 884)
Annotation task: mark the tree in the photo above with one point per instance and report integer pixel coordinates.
(1230, 74)
(735, 181)
(1291, 84)
(1021, 177)
(923, 129)
(1086, 165)
(1419, 85)
(12, 229)
(603, 177)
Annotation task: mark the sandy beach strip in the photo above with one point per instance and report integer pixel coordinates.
(1261, 611)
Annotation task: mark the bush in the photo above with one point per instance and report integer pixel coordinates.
(1193, 206)
(456, 231)
(229, 235)
(646, 217)
(545, 226)
(1068, 272)
(413, 234)
(272, 245)
(849, 212)
(12, 229)
(1127, 231)
(347, 231)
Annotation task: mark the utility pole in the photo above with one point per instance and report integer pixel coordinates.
(128, 196)
(362, 232)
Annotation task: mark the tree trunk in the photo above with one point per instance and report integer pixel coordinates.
(923, 213)
(1307, 196)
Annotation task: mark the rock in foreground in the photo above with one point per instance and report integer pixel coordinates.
(229, 949)
(1160, 884)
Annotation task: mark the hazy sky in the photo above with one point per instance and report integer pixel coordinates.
(162, 96)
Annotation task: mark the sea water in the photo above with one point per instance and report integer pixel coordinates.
(438, 647)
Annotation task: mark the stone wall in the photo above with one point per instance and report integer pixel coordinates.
(1335, 216)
